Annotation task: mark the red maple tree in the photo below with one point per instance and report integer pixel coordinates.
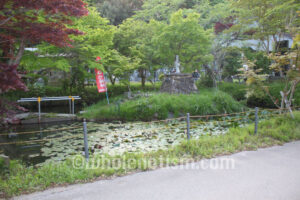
(220, 27)
(28, 22)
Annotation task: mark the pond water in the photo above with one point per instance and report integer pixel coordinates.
(48, 108)
(55, 142)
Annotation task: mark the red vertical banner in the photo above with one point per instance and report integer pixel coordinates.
(100, 81)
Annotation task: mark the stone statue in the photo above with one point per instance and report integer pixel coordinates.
(177, 65)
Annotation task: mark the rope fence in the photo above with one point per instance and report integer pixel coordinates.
(44, 131)
(37, 141)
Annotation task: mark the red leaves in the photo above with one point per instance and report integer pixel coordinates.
(22, 21)
(67, 7)
(219, 27)
(8, 111)
(10, 79)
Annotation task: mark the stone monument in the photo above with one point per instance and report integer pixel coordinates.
(178, 83)
(177, 65)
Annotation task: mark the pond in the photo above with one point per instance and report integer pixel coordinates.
(55, 142)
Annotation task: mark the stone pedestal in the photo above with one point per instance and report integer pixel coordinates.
(179, 84)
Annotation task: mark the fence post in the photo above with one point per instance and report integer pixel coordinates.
(70, 104)
(39, 108)
(188, 125)
(73, 104)
(256, 119)
(86, 147)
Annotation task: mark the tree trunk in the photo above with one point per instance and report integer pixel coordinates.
(287, 103)
(143, 77)
(282, 103)
(17, 59)
(112, 80)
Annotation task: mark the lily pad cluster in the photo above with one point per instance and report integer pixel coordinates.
(116, 139)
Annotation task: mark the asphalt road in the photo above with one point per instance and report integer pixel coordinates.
(266, 174)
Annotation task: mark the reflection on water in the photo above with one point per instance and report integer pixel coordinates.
(62, 140)
(30, 152)
(48, 108)
(57, 141)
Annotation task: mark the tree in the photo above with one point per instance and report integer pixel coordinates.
(118, 66)
(259, 58)
(159, 10)
(134, 39)
(29, 22)
(186, 38)
(96, 41)
(232, 62)
(118, 10)
(284, 14)
(266, 20)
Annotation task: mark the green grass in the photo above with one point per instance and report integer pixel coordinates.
(163, 105)
(18, 179)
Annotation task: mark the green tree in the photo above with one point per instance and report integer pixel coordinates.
(96, 41)
(117, 10)
(186, 38)
(266, 20)
(160, 10)
(134, 39)
(118, 66)
(232, 62)
(259, 58)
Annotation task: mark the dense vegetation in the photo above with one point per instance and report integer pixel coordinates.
(17, 178)
(142, 36)
(260, 98)
(65, 40)
(89, 94)
(161, 106)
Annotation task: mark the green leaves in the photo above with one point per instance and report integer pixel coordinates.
(96, 41)
(186, 38)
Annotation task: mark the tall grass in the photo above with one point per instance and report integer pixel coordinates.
(17, 178)
(162, 106)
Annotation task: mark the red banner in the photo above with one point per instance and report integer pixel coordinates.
(100, 81)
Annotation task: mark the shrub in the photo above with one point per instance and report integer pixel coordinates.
(258, 100)
(205, 81)
(237, 91)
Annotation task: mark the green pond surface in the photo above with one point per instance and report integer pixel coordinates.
(110, 138)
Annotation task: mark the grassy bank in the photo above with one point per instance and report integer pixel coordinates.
(19, 179)
(162, 106)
